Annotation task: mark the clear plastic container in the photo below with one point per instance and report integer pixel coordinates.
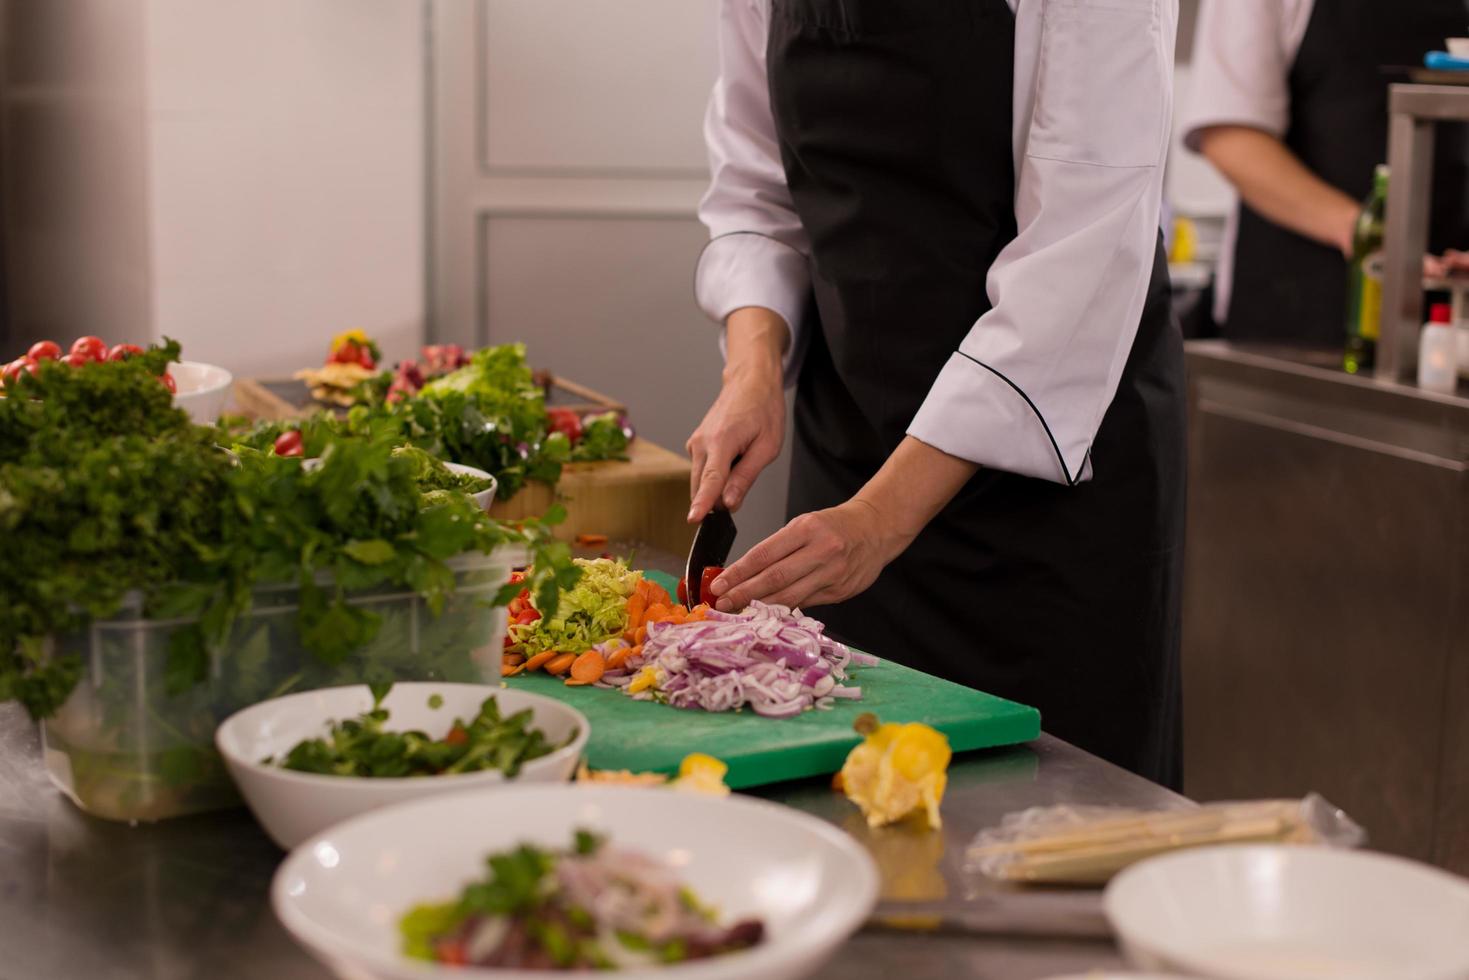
(124, 749)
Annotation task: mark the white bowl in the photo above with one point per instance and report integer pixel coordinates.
(1458, 46)
(486, 496)
(202, 389)
(1257, 912)
(341, 893)
(292, 806)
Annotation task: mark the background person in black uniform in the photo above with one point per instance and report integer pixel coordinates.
(1289, 103)
(939, 219)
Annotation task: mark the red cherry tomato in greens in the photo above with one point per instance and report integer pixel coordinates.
(91, 348)
(288, 443)
(169, 383)
(683, 592)
(13, 369)
(44, 350)
(76, 360)
(123, 351)
(710, 574)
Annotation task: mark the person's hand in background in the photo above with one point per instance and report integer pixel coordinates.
(1452, 264)
(745, 427)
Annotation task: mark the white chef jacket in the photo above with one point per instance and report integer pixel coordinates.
(1243, 54)
(1027, 388)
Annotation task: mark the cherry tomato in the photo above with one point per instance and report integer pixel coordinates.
(169, 383)
(457, 735)
(288, 443)
(452, 952)
(364, 357)
(13, 369)
(567, 421)
(76, 360)
(91, 348)
(710, 574)
(123, 351)
(526, 616)
(683, 592)
(44, 350)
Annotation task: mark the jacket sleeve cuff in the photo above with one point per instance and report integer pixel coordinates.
(974, 412)
(750, 269)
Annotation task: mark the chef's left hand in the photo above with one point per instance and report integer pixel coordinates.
(818, 558)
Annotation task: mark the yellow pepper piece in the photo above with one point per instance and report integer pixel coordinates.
(647, 677)
(898, 770)
(700, 773)
(358, 337)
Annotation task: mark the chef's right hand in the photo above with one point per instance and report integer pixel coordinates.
(747, 420)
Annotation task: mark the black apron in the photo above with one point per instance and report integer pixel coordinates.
(893, 118)
(1288, 287)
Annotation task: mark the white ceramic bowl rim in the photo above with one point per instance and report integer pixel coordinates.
(828, 924)
(366, 784)
(1186, 957)
(208, 378)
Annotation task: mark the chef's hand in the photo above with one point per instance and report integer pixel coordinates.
(831, 555)
(747, 420)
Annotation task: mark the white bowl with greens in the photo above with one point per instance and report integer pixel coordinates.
(476, 482)
(307, 761)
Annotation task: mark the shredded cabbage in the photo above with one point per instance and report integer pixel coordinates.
(591, 612)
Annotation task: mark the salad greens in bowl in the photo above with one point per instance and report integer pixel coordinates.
(306, 761)
(508, 885)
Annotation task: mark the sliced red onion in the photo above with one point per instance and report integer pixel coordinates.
(771, 658)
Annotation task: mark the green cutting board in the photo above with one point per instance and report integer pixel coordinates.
(644, 736)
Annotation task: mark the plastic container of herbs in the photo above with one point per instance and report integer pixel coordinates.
(123, 748)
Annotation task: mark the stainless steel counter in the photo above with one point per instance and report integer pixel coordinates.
(187, 898)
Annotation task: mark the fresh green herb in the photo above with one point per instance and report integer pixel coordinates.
(362, 746)
(603, 437)
(107, 489)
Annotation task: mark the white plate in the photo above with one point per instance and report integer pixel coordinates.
(292, 806)
(341, 893)
(202, 389)
(1249, 912)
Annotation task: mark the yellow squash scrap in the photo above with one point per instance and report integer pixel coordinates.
(700, 773)
(898, 770)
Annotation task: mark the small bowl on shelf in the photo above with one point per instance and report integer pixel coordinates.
(1457, 46)
(202, 391)
(485, 497)
(292, 806)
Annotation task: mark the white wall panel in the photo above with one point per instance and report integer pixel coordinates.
(596, 85)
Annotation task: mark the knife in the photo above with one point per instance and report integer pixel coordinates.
(712, 542)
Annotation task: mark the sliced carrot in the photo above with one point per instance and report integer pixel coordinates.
(510, 670)
(587, 540)
(589, 667)
(513, 659)
(573, 682)
(637, 608)
(641, 636)
(622, 656)
(560, 663)
(540, 659)
(657, 612)
(658, 595)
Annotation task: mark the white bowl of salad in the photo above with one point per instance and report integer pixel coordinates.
(306, 761)
(647, 882)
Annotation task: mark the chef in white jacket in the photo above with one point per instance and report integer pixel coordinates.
(938, 220)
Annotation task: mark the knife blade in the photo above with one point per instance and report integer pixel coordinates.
(712, 542)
